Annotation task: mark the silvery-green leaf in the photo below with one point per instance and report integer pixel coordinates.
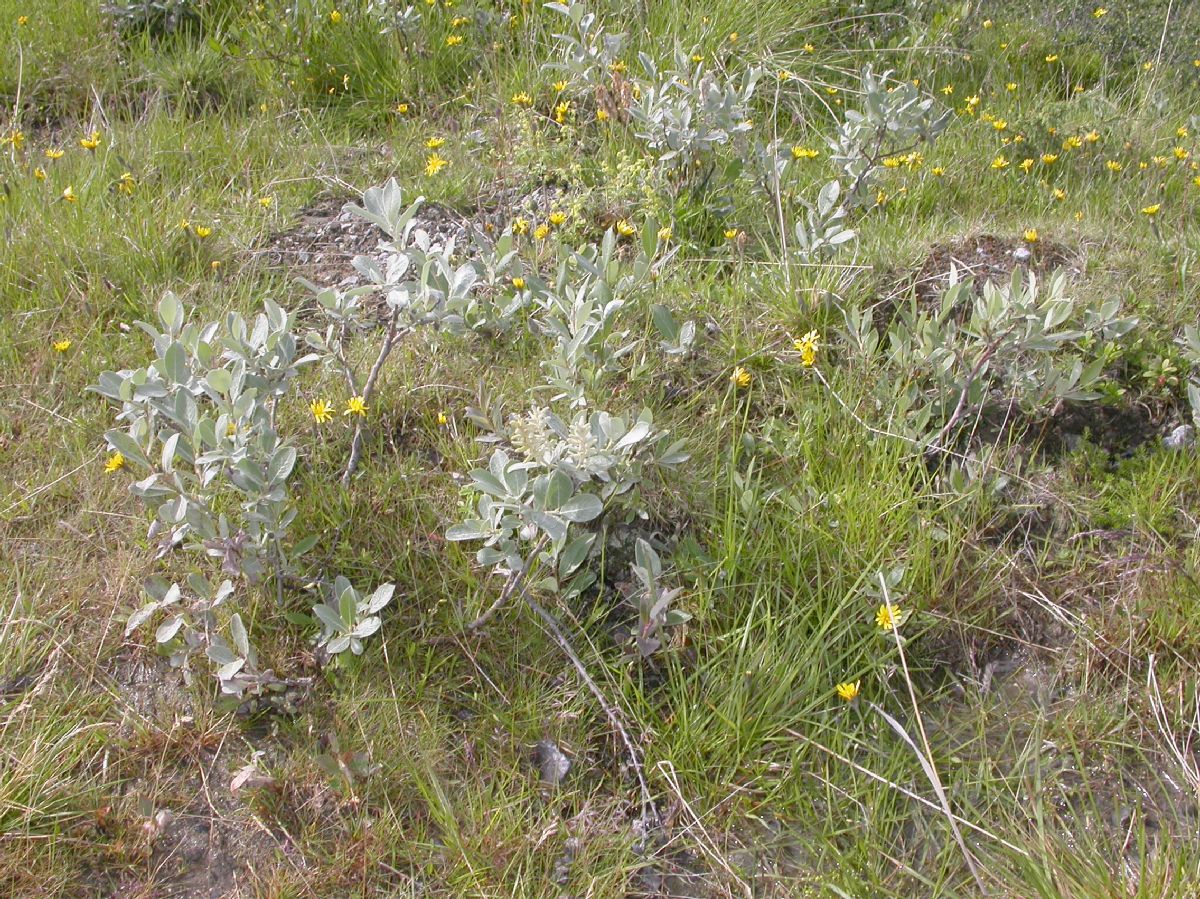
(167, 630)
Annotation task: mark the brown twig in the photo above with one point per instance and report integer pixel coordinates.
(389, 342)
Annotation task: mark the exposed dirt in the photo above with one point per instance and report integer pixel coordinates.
(325, 239)
(204, 842)
(986, 257)
(323, 242)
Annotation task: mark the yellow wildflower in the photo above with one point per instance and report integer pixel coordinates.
(601, 115)
(53, 153)
(202, 231)
(115, 463)
(889, 617)
(68, 194)
(731, 233)
(356, 405)
(518, 283)
(999, 163)
(664, 234)
(126, 183)
(434, 164)
(454, 40)
(1113, 166)
(848, 690)
(625, 228)
(1099, 12)
(1031, 235)
(522, 99)
(321, 411)
(1053, 57)
(799, 152)
(807, 347)
(740, 378)
(541, 232)
(335, 17)
(1151, 210)
(1026, 165)
(61, 346)
(557, 218)
(520, 226)
(39, 173)
(1049, 158)
(434, 142)
(91, 142)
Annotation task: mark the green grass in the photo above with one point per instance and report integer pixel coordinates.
(1040, 612)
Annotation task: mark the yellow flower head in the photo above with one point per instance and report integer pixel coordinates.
(1092, 136)
(1180, 153)
(1011, 87)
(321, 411)
(91, 142)
(1113, 166)
(126, 183)
(848, 690)
(1031, 235)
(520, 226)
(265, 202)
(999, 124)
(115, 463)
(1049, 158)
(434, 142)
(202, 231)
(1151, 210)
(1059, 193)
(68, 194)
(541, 232)
(557, 218)
(335, 16)
(560, 86)
(16, 138)
(1053, 57)
(799, 152)
(1100, 12)
(740, 378)
(602, 115)
(889, 617)
(53, 153)
(664, 234)
(999, 163)
(1026, 165)
(443, 419)
(731, 233)
(434, 164)
(522, 99)
(625, 228)
(454, 40)
(61, 346)
(518, 283)
(356, 405)
(402, 108)
(39, 173)
(807, 347)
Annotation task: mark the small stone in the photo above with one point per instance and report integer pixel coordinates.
(1183, 437)
(1022, 254)
(552, 763)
